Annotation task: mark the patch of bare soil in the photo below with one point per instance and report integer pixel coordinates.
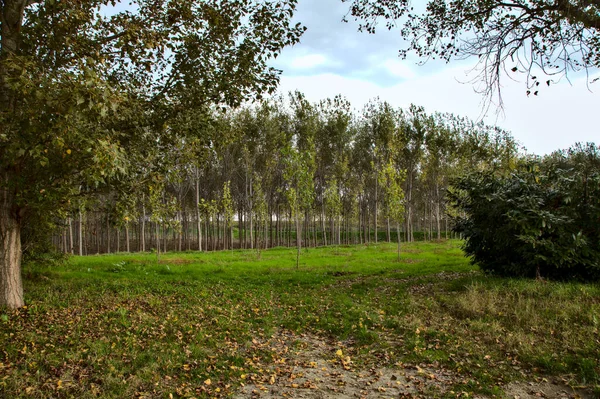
(550, 390)
(311, 368)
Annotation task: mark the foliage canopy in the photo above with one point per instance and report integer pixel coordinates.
(553, 37)
(542, 220)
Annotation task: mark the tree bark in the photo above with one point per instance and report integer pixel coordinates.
(198, 219)
(376, 210)
(80, 232)
(11, 285)
(143, 228)
(71, 246)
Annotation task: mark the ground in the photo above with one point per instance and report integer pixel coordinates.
(347, 322)
(310, 367)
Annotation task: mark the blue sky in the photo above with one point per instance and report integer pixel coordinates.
(333, 58)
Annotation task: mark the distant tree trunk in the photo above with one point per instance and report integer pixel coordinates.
(71, 245)
(278, 226)
(143, 239)
(107, 234)
(165, 233)
(180, 232)
(409, 210)
(11, 285)
(376, 210)
(127, 236)
(389, 235)
(64, 240)
(339, 230)
(437, 212)
(446, 228)
(298, 241)
(80, 232)
(118, 239)
(323, 225)
(198, 219)
(398, 239)
(157, 241)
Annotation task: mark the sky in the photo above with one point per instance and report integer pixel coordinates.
(334, 58)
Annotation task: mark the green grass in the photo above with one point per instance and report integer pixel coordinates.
(126, 326)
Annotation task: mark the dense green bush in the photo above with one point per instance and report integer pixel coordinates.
(542, 220)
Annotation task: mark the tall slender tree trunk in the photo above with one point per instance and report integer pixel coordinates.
(298, 241)
(389, 235)
(107, 234)
(80, 232)
(143, 227)
(198, 219)
(71, 246)
(127, 236)
(437, 212)
(157, 241)
(376, 210)
(64, 240)
(11, 285)
(323, 225)
(398, 239)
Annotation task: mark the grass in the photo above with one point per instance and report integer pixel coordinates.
(126, 326)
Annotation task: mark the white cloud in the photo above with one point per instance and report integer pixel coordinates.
(308, 61)
(560, 116)
(399, 68)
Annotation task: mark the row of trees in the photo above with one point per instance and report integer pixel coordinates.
(288, 172)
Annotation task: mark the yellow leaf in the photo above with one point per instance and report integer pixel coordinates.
(207, 382)
(69, 151)
(339, 353)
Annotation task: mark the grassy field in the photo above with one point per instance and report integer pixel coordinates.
(204, 324)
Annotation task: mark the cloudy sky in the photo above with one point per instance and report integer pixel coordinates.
(333, 58)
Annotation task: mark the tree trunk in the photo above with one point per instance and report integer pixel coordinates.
(143, 229)
(80, 232)
(107, 234)
(71, 246)
(127, 236)
(389, 234)
(11, 285)
(298, 241)
(376, 186)
(398, 239)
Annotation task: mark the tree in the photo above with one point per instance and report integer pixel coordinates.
(86, 86)
(390, 180)
(538, 220)
(553, 37)
(299, 191)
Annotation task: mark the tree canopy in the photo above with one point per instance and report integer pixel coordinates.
(540, 220)
(535, 37)
(90, 91)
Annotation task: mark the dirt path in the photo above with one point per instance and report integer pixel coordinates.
(308, 367)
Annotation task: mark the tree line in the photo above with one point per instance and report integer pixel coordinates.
(286, 172)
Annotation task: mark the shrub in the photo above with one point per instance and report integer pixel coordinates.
(542, 220)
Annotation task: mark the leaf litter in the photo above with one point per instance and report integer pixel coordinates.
(308, 366)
